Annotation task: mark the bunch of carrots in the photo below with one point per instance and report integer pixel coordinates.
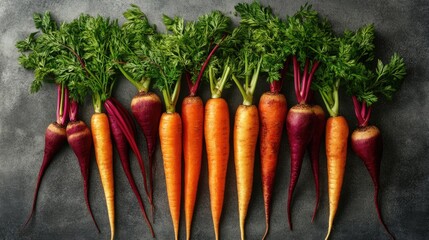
(84, 57)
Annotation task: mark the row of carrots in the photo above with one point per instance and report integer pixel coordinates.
(84, 56)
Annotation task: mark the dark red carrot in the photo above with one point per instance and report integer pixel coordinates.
(120, 128)
(299, 126)
(147, 108)
(55, 138)
(367, 143)
(80, 140)
(314, 149)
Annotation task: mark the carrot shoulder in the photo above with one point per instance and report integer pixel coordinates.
(337, 132)
(170, 135)
(246, 130)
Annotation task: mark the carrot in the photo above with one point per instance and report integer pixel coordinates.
(122, 130)
(193, 120)
(337, 132)
(246, 128)
(145, 105)
(55, 138)
(146, 108)
(216, 133)
(314, 150)
(170, 135)
(272, 113)
(103, 154)
(367, 143)
(366, 140)
(80, 140)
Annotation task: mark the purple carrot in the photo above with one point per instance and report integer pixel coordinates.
(367, 143)
(122, 145)
(55, 138)
(80, 140)
(314, 149)
(147, 108)
(299, 126)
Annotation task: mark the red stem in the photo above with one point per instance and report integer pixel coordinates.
(74, 108)
(304, 77)
(310, 79)
(363, 109)
(194, 87)
(296, 78)
(358, 110)
(188, 80)
(276, 86)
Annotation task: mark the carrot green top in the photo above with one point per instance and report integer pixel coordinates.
(261, 47)
(309, 43)
(133, 48)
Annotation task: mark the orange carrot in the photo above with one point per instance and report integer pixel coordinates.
(216, 132)
(193, 120)
(246, 128)
(272, 109)
(170, 135)
(337, 132)
(103, 154)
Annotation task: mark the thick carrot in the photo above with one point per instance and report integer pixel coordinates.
(314, 150)
(146, 108)
(367, 143)
(216, 133)
(246, 128)
(170, 135)
(103, 155)
(299, 126)
(272, 114)
(337, 132)
(193, 120)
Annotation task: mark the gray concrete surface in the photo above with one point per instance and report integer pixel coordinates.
(61, 214)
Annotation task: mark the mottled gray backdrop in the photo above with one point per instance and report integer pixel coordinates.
(401, 26)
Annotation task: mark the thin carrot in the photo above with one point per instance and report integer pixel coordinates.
(337, 132)
(246, 130)
(170, 135)
(193, 120)
(103, 154)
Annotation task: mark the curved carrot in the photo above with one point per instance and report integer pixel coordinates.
(216, 133)
(170, 136)
(193, 120)
(103, 154)
(337, 132)
(246, 128)
(314, 150)
(367, 143)
(272, 114)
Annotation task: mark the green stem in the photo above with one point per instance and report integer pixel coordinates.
(62, 100)
(96, 101)
(212, 81)
(223, 80)
(175, 95)
(255, 78)
(247, 100)
(128, 77)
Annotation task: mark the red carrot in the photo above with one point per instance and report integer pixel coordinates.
(314, 149)
(309, 40)
(55, 138)
(119, 120)
(80, 140)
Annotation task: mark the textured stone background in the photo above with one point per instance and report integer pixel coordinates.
(61, 214)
